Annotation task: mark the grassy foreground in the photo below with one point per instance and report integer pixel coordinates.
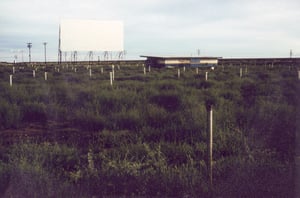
(77, 136)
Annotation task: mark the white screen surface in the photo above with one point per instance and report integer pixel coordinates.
(91, 35)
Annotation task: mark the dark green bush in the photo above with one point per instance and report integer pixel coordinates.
(10, 115)
(88, 121)
(177, 154)
(34, 112)
(169, 101)
(248, 93)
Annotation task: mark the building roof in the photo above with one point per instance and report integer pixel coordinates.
(180, 57)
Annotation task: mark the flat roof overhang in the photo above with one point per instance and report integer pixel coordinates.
(180, 57)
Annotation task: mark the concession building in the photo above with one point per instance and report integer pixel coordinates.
(159, 61)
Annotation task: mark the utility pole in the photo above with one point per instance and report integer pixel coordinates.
(29, 45)
(22, 56)
(45, 43)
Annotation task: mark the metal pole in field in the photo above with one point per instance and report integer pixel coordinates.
(299, 74)
(111, 78)
(149, 68)
(241, 72)
(33, 73)
(90, 71)
(206, 76)
(14, 69)
(197, 70)
(101, 70)
(46, 73)
(184, 69)
(144, 70)
(209, 145)
(178, 73)
(10, 80)
(113, 72)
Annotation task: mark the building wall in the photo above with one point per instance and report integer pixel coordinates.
(209, 61)
(181, 62)
(177, 61)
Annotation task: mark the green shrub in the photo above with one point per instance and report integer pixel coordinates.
(177, 154)
(34, 112)
(10, 115)
(87, 120)
(169, 101)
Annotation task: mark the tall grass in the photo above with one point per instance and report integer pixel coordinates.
(146, 135)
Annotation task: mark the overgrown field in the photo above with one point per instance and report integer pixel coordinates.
(73, 135)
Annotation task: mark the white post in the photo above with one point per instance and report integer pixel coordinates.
(149, 68)
(33, 73)
(13, 70)
(90, 160)
(184, 69)
(246, 70)
(241, 72)
(113, 72)
(75, 69)
(197, 70)
(90, 72)
(10, 80)
(111, 78)
(178, 73)
(209, 145)
(206, 76)
(144, 70)
(101, 70)
(299, 74)
(46, 75)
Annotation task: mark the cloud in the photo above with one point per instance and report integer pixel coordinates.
(223, 28)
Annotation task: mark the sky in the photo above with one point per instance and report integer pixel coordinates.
(223, 28)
